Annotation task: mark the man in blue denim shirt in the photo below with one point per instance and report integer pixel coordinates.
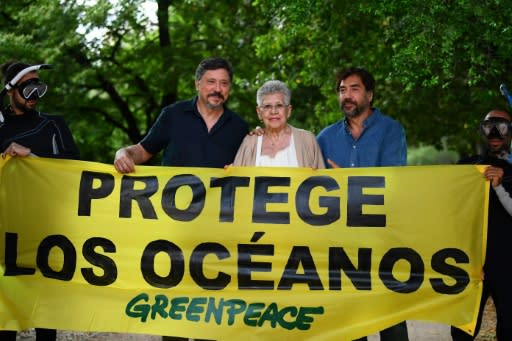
(364, 138)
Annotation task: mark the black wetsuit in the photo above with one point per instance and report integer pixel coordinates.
(498, 256)
(45, 135)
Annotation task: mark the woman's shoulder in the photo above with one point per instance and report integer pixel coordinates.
(302, 132)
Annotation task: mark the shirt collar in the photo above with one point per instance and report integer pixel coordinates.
(368, 122)
(226, 114)
(194, 106)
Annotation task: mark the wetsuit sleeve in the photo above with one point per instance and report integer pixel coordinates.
(69, 148)
(504, 197)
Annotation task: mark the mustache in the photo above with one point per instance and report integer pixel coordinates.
(348, 101)
(216, 94)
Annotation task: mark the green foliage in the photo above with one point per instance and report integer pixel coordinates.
(114, 69)
(438, 64)
(430, 155)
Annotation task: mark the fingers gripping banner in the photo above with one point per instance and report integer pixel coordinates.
(242, 253)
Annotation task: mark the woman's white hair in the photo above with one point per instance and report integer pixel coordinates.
(272, 87)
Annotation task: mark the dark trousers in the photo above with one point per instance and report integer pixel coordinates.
(499, 290)
(397, 332)
(41, 335)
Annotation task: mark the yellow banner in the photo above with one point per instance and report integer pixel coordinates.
(239, 254)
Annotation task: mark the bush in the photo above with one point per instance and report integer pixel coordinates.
(430, 155)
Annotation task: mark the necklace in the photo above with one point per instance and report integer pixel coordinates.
(274, 141)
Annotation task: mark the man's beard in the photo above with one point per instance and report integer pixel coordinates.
(215, 106)
(502, 152)
(22, 107)
(358, 109)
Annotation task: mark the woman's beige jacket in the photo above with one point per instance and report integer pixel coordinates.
(308, 150)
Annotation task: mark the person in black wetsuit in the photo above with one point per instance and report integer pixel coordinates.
(24, 131)
(496, 129)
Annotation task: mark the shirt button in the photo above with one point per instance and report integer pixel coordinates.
(354, 146)
(352, 165)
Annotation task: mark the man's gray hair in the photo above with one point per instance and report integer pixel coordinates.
(272, 87)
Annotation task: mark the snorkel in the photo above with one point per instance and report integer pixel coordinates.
(506, 94)
(12, 83)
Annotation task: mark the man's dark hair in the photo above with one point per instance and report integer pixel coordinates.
(366, 77)
(11, 68)
(213, 63)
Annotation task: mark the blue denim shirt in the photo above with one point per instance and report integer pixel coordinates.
(382, 143)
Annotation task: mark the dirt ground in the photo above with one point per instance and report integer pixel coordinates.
(418, 331)
(488, 329)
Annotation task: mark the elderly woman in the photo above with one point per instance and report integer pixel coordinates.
(281, 145)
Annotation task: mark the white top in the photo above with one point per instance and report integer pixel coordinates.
(504, 197)
(284, 158)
